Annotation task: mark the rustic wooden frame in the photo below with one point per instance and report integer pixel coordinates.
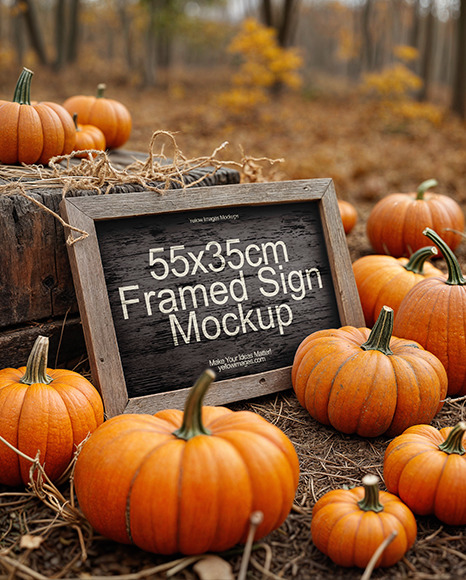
(94, 306)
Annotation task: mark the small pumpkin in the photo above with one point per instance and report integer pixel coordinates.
(45, 410)
(348, 525)
(109, 115)
(385, 280)
(349, 215)
(366, 381)
(88, 137)
(396, 222)
(433, 313)
(33, 133)
(426, 468)
(186, 481)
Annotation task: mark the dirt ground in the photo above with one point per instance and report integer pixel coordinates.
(336, 137)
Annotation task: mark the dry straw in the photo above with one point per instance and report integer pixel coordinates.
(156, 173)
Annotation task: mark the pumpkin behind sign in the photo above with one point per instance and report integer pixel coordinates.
(33, 132)
(349, 215)
(46, 410)
(396, 222)
(188, 481)
(109, 115)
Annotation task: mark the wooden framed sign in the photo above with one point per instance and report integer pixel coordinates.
(230, 278)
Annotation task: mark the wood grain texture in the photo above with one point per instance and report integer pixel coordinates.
(124, 229)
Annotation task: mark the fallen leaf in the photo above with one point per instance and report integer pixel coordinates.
(30, 542)
(213, 568)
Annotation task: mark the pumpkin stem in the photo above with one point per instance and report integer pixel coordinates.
(455, 276)
(425, 185)
(75, 121)
(370, 502)
(100, 90)
(23, 88)
(36, 367)
(418, 259)
(192, 419)
(381, 333)
(454, 442)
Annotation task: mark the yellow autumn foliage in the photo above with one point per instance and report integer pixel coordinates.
(264, 64)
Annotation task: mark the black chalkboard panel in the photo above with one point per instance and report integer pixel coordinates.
(203, 289)
(231, 278)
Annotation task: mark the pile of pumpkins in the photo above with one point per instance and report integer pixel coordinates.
(32, 132)
(188, 481)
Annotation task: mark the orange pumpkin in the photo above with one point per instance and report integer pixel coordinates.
(396, 222)
(88, 137)
(33, 133)
(109, 115)
(348, 525)
(426, 468)
(349, 215)
(186, 481)
(366, 381)
(433, 313)
(45, 410)
(385, 280)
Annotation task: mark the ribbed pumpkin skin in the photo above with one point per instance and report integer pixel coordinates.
(365, 391)
(185, 496)
(396, 222)
(52, 418)
(33, 133)
(383, 280)
(433, 313)
(350, 536)
(109, 115)
(349, 215)
(428, 480)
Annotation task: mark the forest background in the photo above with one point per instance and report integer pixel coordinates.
(368, 92)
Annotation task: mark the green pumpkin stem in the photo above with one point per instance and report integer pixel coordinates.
(454, 442)
(425, 185)
(101, 90)
(36, 367)
(370, 502)
(23, 88)
(418, 259)
(455, 276)
(381, 333)
(75, 121)
(192, 419)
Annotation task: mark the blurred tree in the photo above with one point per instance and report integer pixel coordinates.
(28, 11)
(281, 17)
(427, 54)
(458, 104)
(66, 32)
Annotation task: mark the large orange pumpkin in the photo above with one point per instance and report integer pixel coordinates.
(385, 280)
(348, 525)
(366, 381)
(186, 481)
(33, 133)
(433, 313)
(109, 115)
(396, 222)
(426, 468)
(45, 410)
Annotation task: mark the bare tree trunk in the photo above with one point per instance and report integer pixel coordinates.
(150, 52)
(427, 57)
(458, 104)
(34, 30)
(19, 36)
(126, 32)
(284, 20)
(60, 34)
(367, 44)
(73, 32)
